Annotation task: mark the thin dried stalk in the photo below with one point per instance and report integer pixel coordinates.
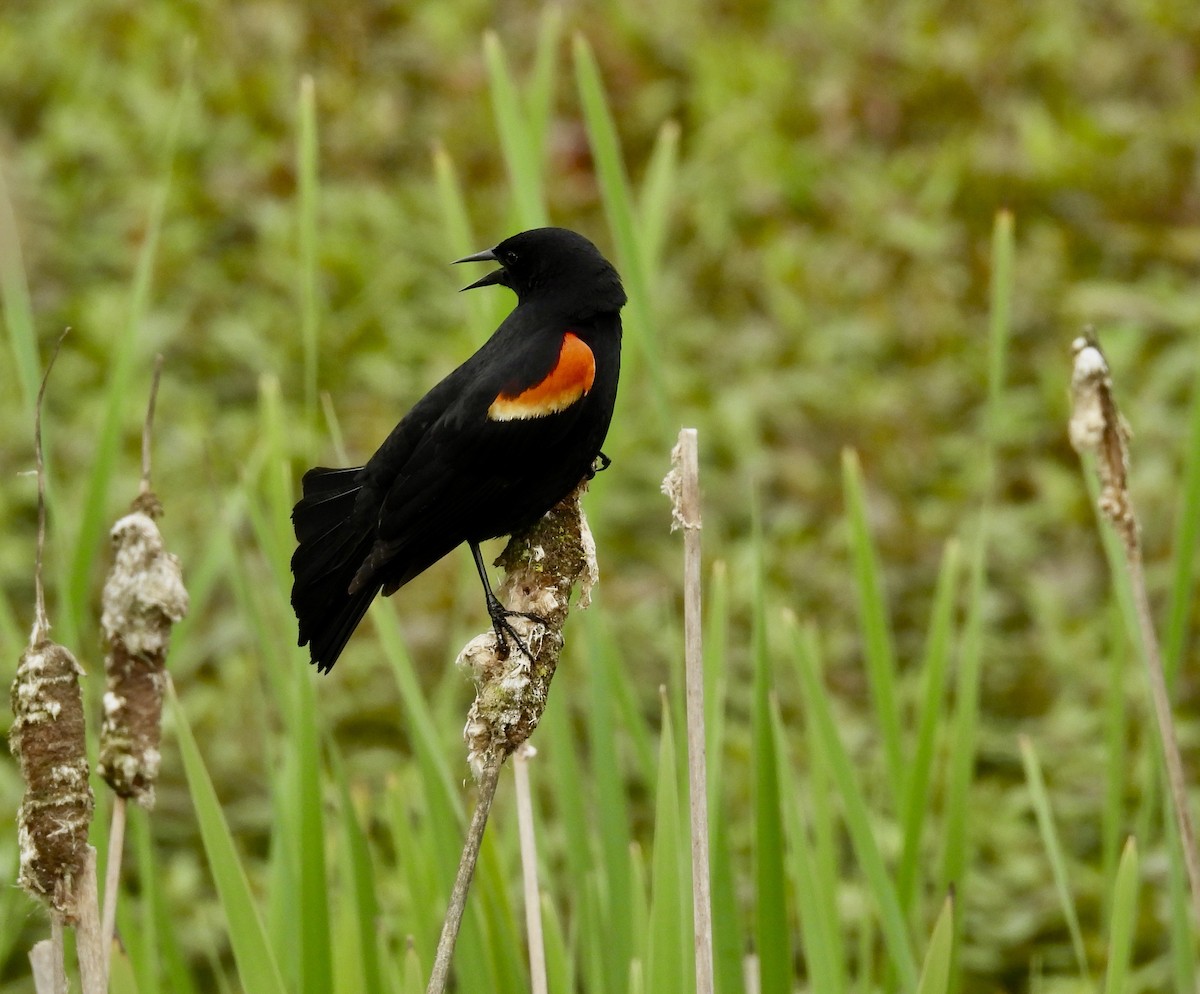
(46, 960)
(112, 879)
(533, 900)
(88, 938)
(682, 485)
(489, 777)
(1097, 428)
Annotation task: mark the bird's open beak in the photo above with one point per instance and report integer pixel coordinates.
(487, 255)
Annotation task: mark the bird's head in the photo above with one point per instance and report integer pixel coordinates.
(553, 263)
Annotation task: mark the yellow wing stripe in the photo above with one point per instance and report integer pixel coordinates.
(570, 379)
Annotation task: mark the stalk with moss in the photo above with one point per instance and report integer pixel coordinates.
(542, 565)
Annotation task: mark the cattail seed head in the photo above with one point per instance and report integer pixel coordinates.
(1097, 427)
(143, 596)
(541, 566)
(47, 737)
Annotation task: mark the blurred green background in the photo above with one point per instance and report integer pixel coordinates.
(823, 284)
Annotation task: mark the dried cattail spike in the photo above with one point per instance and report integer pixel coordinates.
(1097, 426)
(541, 567)
(47, 738)
(143, 596)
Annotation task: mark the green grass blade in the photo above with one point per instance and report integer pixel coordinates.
(999, 325)
(423, 732)
(1187, 539)
(614, 183)
(729, 939)
(522, 155)
(121, 976)
(157, 924)
(965, 725)
(654, 203)
(504, 939)
(857, 815)
(282, 871)
(1116, 750)
(612, 809)
(1058, 863)
(453, 205)
(11, 636)
(875, 626)
(817, 905)
(828, 843)
(422, 880)
(560, 968)
(307, 818)
(597, 956)
(1181, 926)
(486, 309)
(15, 300)
(14, 905)
(933, 690)
(771, 932)
(669, 932)
(1123, 924)
(119, 381)
(572, 813)
(619, 209)
(256, 965)
(306, 170)
(301, 823)
(539, 101)
(414, 975)
(628, 698)
(939, 958)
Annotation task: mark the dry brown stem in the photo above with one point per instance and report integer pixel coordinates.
(682, 485)
(1098, 429)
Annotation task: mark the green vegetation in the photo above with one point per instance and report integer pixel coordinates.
(859, 239)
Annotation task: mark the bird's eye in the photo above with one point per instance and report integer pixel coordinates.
(510, 258)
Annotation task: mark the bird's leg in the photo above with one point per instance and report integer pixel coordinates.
(599, 465)
(499, 613)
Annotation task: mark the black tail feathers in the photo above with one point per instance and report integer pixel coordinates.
(334, 541)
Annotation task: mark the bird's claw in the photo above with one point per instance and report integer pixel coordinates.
(505, 631)
(599, 465)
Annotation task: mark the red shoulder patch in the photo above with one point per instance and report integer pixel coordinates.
(570, 379)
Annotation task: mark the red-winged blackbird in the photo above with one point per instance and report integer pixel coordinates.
(486, 452)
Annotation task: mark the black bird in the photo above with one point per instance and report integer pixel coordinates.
(486, 452)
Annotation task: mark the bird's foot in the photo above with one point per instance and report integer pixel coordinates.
(599, 465)
(505, 631)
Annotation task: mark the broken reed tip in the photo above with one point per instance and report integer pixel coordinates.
(1097, 427)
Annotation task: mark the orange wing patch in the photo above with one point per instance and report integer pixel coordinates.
(570, 379)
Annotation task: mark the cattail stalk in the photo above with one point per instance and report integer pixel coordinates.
(682, 485)
(541, 565)
(143, 597)
(1098, 429)
(47, 738)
